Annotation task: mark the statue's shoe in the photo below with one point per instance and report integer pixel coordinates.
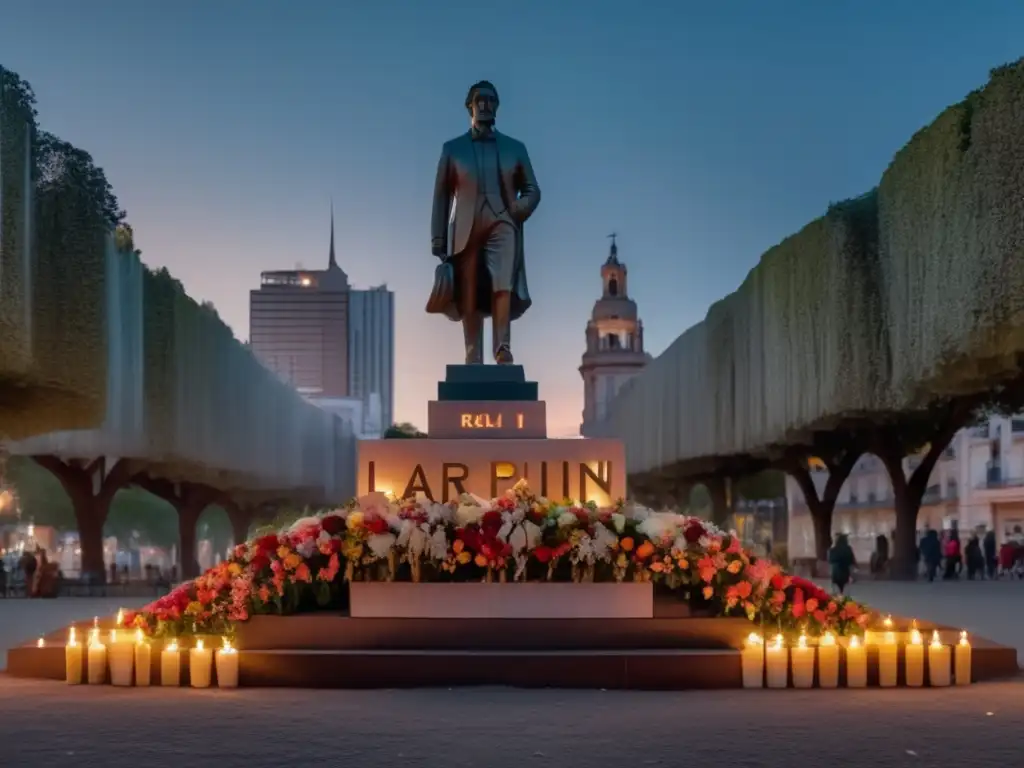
(504, 355)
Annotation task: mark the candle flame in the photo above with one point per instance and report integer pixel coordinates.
(41, 643)
(199, 645)
(228, 648)
(888, 622)
(828, 639)
(778, 641)
(963, 638)
(855, 642)
(95, 621)
(915, 637)
(139, 637)
(173, 646)
(94, 638)
(113, 636)
(120, 616)
(802, 641)
(71, 636)
(752, 639)
(936, 643)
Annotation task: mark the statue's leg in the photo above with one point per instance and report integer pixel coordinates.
(472, 320)
(501, 255)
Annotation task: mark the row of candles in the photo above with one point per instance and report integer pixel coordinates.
(774, 663)
(129, 661)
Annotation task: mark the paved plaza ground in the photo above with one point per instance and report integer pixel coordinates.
(49, 724)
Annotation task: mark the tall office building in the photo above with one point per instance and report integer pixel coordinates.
(371, 348)
(325, 339)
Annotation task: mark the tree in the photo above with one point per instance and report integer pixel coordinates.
(61, 165)
(402, 430)
(124, 238)
(18, 93)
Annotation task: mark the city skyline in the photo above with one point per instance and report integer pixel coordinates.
(225, 161)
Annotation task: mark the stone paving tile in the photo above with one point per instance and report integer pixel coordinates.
(49, 724)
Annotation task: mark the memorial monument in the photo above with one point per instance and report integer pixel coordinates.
(487, 428)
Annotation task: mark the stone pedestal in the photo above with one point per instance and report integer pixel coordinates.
(486, 431)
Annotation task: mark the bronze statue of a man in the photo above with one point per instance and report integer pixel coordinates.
(487, 177)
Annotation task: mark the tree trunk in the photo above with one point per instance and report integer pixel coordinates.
(188, 520)
(721, 507)
(91, 507)
(907, 503)
(821, 519)
(822, 508)
(241, 520)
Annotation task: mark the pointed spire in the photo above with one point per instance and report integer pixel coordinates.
(613, 252)
(332, 261)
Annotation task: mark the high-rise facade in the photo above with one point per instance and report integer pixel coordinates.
(371, 348)
(325, 339)
(615, 343)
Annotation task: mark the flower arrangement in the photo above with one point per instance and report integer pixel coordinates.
(516, 537)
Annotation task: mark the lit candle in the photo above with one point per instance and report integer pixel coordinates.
(914, 660)
(963, 661)
(887, 655)
(122, 659)
(97, 659)
(802, 661)
(777, 663)
(227, 666)
(753, 662)
(73, 660)
(828, 662)
(200, 665)
(41, 643)
(938, 663)
(120, 617)
(856, 664)
(143, 659)
(170, 665)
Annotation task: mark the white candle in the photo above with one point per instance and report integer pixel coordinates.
(200, 665)
(227, 666)
(96, 659)
(802, 662)
(753, 662)
(122, 658)
(938, 663)
(828, 662)
(777, 663)
(914, 660)
(856, 664)
(73, 660)
(170, 665)
(143, 659)
(963, 661)
(887, 655)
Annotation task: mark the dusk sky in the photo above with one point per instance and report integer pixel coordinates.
(703, 133)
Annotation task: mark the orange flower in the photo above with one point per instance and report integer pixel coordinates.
(458, 546)
(709, 592)
(656, 566)
(626, 544)
(734, 567)
(481, 561)
(645, 550)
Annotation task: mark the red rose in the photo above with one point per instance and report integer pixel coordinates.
(693, 532)
(543, 554)
(491, 519)
(267, 543)
(333, 524)
(377, 525)
(259, 562)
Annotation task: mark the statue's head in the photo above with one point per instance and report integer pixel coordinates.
(482, 103)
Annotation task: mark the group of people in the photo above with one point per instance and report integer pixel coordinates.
(38, 574)
(981, 558)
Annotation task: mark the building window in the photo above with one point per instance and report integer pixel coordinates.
(613, 287)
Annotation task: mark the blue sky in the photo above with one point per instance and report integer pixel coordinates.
(702, 132)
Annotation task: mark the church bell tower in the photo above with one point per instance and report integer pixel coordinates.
(615, 342)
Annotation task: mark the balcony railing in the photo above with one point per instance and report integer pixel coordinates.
(996, 477)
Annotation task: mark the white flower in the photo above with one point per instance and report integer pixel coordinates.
(303, 522)
(583, 552)
(518, 539)
(306, 548)
(418, 541)
(566, 519)
(603, 542)
(533, 535)
(405, 530)
(468, 514)
(506, 528)
(381, 544)
(619, 521)
(439, 545)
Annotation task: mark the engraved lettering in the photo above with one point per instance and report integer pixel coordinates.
(418, 482)
(459, 481)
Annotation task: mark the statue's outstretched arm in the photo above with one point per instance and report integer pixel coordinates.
(442, 206)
